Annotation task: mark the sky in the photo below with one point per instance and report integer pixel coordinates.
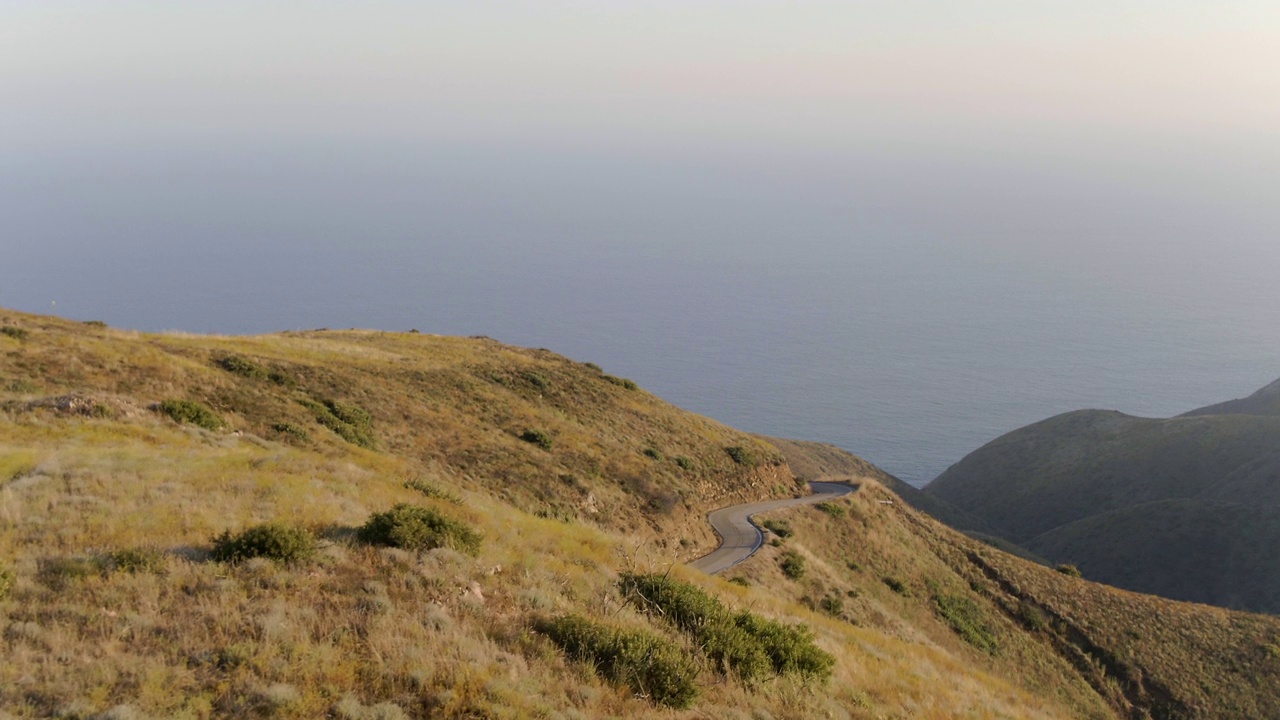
(1013, 175)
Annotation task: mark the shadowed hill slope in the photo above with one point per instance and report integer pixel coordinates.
(1263, 402)
(1176, 507)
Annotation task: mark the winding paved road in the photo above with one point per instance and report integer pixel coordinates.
(740, 537)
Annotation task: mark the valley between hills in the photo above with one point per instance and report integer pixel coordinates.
(362, 524)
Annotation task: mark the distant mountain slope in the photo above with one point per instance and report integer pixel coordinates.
(1264, 402)
(1171, 506)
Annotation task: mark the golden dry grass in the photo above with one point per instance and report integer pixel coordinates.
(362, 630)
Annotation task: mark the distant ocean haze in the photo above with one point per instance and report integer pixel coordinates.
(907, 312)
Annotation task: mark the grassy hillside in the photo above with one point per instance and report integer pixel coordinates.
(377, 525)
(1179, 507)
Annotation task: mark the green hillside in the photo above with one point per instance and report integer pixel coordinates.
(1178, 507)
(357, 524)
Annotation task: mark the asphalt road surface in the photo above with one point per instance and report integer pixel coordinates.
(740, 537)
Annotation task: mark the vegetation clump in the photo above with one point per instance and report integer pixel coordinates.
(246, 367)
(745, 644)
(967, 620)
(684, 462)
(16, 333)
(432, 490)
(134, 560)
(414, 527)
(741, 455)
(835, 510)
(6, 581)
(350, 422)
(792, 564)
(538, 380)
(537, 437)
(292, 431)
(1068, 569)
(652, 666)
(781, 528)
(191, 412)
(274, 541)
(654, 454)
(623, 383)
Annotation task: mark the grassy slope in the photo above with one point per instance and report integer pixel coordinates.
(434, 633)
(898, 571)
(1263, 402)
(1177, 507)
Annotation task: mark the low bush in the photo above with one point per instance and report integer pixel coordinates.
(537, 380)
(684, 462)
(835, 510)
(832, 605)
(896, 585)
(654, 454)
(350, 422)
(1068, 569)
(741, 455)
(1032, 617)
(190, 412)
(792, 564)
(292, 431)
(744, 644)
(274, 541)
(242, 366)
(537, 437)
(432, 491)
(781, 528)
(95, 323)
(134, 560)
(652, 666)
(624, 383)
(593, 366)
(967, 620)
(60, 572)
(6, 581)
(413, 527)
(790, 647)
(16, 333)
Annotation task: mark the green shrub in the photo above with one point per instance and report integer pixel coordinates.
(537, 437)
(741, 455)
(781, 528)
(702, 616)
(652, 666)
(292, 431)
(792, 564)
(191, 412)
(1032, 617)
(1068, 569)
(967, 620)
(897, 586)
(95, 323)
(413, 527)
(832, 605)
(684, 462)
(349, 422)
(745, 644)
(835, 510)
(6, 581)
(134, 560)
(739, 580)
(432, 491)
(622, 382)
(275, 541)
(790, 647)
(654, 454)
(242, 366)
(16, 333)
(538, 380)
(593, 366)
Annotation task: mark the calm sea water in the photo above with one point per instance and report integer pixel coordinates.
(906, 309)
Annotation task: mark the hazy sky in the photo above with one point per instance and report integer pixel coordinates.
(815, 218)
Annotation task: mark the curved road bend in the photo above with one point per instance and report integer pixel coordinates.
(740, 537)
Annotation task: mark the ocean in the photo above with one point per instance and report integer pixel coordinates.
(906, 308)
